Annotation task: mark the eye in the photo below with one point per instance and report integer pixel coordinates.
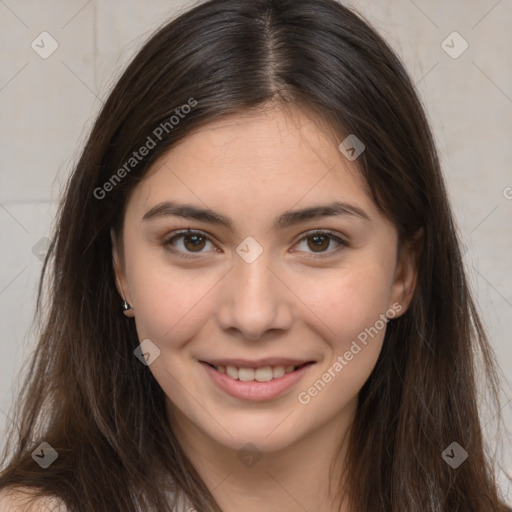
(319, 242)
(188, 241)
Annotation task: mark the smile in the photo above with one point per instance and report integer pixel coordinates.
(256, 381)
(262, 374)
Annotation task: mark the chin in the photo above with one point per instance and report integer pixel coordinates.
(267, 431)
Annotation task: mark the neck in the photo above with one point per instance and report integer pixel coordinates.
(304, 476)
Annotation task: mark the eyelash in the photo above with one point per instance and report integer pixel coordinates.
(191, 232)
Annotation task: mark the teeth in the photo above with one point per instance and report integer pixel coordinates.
(232, 372)
(263, 374)
(245, 374)
(279, 372)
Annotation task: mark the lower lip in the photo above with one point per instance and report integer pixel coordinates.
(254, 390)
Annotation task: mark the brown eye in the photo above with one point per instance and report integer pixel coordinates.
(321, 243)
(188, 242)
(318, 242)
(194, 242)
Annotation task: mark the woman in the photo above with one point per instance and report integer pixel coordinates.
(257, 294)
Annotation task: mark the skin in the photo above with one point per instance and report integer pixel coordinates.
(287, 303)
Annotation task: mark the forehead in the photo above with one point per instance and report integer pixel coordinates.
(273, 154)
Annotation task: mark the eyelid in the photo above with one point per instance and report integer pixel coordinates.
(333, 235)
(188, 231)
(181, 233)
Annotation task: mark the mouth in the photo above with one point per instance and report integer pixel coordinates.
(256, 381)
(255, 372)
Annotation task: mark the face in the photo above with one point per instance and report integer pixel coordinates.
(261, 271)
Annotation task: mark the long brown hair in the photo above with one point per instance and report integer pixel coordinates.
(103, 412)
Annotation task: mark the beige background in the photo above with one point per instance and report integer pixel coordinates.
(47, 107)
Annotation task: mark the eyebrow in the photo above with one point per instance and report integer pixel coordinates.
(286, 219)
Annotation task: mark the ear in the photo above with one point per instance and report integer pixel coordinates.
(119, 273)
(406, 272)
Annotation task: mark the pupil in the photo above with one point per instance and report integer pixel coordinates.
(319, 242)
(195, 240)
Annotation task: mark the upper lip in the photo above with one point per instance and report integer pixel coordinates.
(251, 363)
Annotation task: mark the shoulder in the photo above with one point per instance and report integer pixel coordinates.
(22, 499)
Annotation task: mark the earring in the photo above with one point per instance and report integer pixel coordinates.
(126, 307)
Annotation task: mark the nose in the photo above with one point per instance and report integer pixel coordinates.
(255, 299)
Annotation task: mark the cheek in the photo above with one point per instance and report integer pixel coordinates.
(169, 301)
(352, 311)
(348, 302)
(352, 305)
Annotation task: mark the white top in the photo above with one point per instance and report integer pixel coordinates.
(182, 505)
(17, 501)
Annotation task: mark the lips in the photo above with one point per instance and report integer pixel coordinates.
(262, 380)
(264, 373)
(259, 363)
(263, 370)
